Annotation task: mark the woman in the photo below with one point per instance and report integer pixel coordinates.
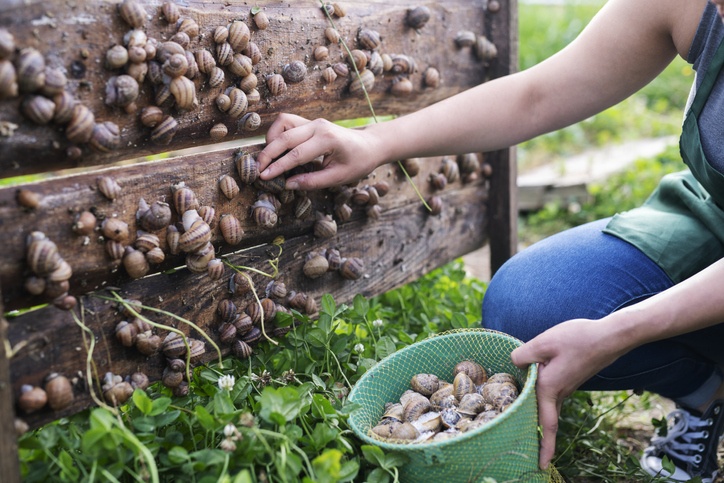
(631, 302)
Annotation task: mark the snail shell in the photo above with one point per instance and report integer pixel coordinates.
(114, 249)
(471, 404)
(151, 116)
(352, 268)
(252, 336)
(121, 90)
(43, 257)
(198, 261)
(155, 72)
(174, 345)
(475, 371)
(248, 83)
(431, 78)
(468, 163)
(269, 309)
(343, 212)
(503, 377)
(197, 236)
(325, 226)
(485, 50)
(64, 104)
(239, 35)
(228, 186)
(264, 214)
(239, 284)
(369, 39)
(394, 412)
(341, 69)
(193, 69)
(329, 75)
(358, 59)
(181, 38)
(28, 199)
(450, 170)
(418, 17)
(334, 258)
(462, 385)
(243, 323)
(164, 132)
(364, 82)
(135, 263)
(261, 20)
(184, 92)
(148, 343)
(276, 289)
(294, 72)
(7, 44)
(274, 186)
(276, 84)
(227, 333)
(238, 104)
(315, 267)
(146, 242)
(167, 49)
(438, 181)
(30, 66)
(189, 27)
(385, 429)
(415, 407)
(208, 214)
(231, 230)
(196, 350)
(80, 127)
(155, 217)
(59, 391)
(162, 96)
(499, 394)
(303, 208)
(32, 399)
(176, 65)
(132, 13)
(386, 62)
(224, 53)
(106, 137)
(401, 87)
(253, 52)
(450, 417)
(435, 204)
(332, 35)
(136, 55)
(253, 96)
(139, 380)
(8, 80)
(321, 53)
(465, 38)
(375, 64)
(374, 196)
(170, 12)
(38, 109)
(115, 229)
(247, 167)
(241, 349)
(62, 273)
(171, 378)
(250, 122)
(55, 81)
(205, 60)
(240, 65)
(223, 102)
(221, 34)
(403, 64)
(227, 310)
(126, 333)
(216, 78)
(425, 384)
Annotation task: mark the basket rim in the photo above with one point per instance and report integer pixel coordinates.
(528, 390)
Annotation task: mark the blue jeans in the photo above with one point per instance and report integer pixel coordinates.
(585, 273)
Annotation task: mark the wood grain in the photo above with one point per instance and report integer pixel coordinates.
(75, 35)
(9, 463)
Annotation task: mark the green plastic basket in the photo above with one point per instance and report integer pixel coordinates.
(506, 449)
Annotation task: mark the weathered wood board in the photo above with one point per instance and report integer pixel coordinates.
(75, 35)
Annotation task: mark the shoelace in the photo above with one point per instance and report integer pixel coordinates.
(679, 440)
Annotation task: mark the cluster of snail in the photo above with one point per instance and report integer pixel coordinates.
(319, 262)
(51, 273)
(46, 100)
(435, 410)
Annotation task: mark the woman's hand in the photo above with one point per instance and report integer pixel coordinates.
(567, 354)
(347, 154)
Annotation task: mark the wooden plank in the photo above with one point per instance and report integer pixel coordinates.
(63, 198)
(9, 464)
(74, 36)
(403, 244)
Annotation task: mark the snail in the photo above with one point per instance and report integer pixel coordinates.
(59, 391)
(198, 261)
(418, 17)
(315, 266)
(172, 378)
(153, 217)
(252, 336)
(145, 242)
(386, 62)
(80, 127)
(205, 61)
(135, 263)
(239, 284)
(303, 208)
(435, 204)
(329, 75)
(261, 20)
(264, 214)
(155, 256)
(462, 385)
(239, 35)
(352, 268)
(121, 90)
(243, 323)
(276, 290)
(332, 35)
(465, 38)
(138, 380)
(438, 181)
(164, 132)
(215, 269)
(148, 343)
(30, 67)
(55, 82)
(7, 44)
(369, 39)
(151, 116)
(32, 399)
(28, 198)
(276, 84)
(175, 65)
(484, 49)
(126, 333)
(8, 79)
(425, 384)
(230, 228)
(221, 34)
(253, 51)
(324, 226)
(403, 64)
(294, 72)
(184, 92)
(106, 137)
(334, 258)
(170, 12)
(341, 69)
(181, 38)
(64, 105)
(248, 83)
(216, 78)
(132, 13)
(189, 27)
(431, 78)
(227, 310)
(197, 349)
(174, 345)
(250, 122)
(38, 109)
(228, 186)
(343, 212)
(375, 63)
(136, 55)
(115, 229)
(475, 371)
(42, 254)
(114, 249)
(227, 333)
(364, 82)
(358, 59)
(241, 349)
(224, 53)
(321, 53)
(195, 237)
(238, 103)
(401, 87)
(254, 311)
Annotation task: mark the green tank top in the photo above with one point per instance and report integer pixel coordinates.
(681, 226)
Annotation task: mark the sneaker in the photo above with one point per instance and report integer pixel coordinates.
(691, 444)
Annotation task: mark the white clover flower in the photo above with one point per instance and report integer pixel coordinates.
(227, 382)
(228, 445)
(377, 323)
(229, 430)
(359, 348)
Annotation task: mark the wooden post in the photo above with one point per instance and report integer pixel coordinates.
(9, 465)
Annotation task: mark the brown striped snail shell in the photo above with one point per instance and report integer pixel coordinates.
(248, 83)
(30, 67)
(294, 72)
(171, 378)
(109, 187)
(136, 54)
(334, 258)
(386, 62)
(80, 127)
(276, 84)
(416, 407)
(275, 186)
(197, 236)
(360, 197)
(132, 13)
(42, 253)
(193, 69)
(151, 116)
(243, 323)
(261, 20)
(231, 230)
(321, 53)
(431, 78)
(228, 186)
(440, 399)
(329, 75)
(223, 102)
(55, 81)
(174, 345)
(435, 204)
(264, 214)
(240, 65)
(475, 371)
(138, 380)
(250, 122)
(358, 58)
(450, 170)
(167, 49)
(38, 109)
(468, 163)
(227, 333)
(135, 263)
(61, 273)
(114, 249)
(155, 216)
(352, 268)
(221, 34)
(253, 51)
(196, 350)
(121, 90)
(341, 69)
(28, 198)
(239, 284)
(239, 35)
(198, 261)
(418, 17)
(471, 404)
(126, 333)
(343, 212)
(364, 82)
(170, 12)
(205, 60)
(324, 226)
(215, 269)
(115, 229)
(276, 289)
(176, 65)
(181, 38)
(116, 57)
(155, 256)
(254, 311)
(241, 349)
(369, 39)
(8, 79)
(332, 35)
(502, 377)
(303, 208)
(374, 196)
(403, 64)
(253, 336)
(411, 165)
(438, 181)
(315, 267)
(227, 310)
(184, 93)
(64, 104)
(59, 391)
(286, 196)
(425, 384)
(106, 137)
(164, 132)
(188, 26)
(484, 49)
(401, 87)
(462, 385)
(465, 38)
(375, 64)
(32, 399)
(208, 214)
(146, 242)
(224, 53)
(238, 104)
(7, 44)
(253, 96)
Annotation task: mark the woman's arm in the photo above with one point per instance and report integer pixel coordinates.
(572, 352)
(623, 48)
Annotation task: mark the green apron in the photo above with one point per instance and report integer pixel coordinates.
(681, 225)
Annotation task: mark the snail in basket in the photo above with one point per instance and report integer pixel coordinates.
(435, 410)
